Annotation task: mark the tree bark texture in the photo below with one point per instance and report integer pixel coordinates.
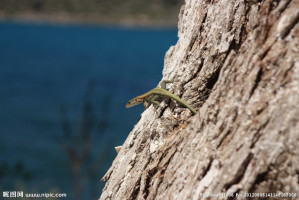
(237, 63)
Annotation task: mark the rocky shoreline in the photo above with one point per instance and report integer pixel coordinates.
(65, 19)
(158, 13)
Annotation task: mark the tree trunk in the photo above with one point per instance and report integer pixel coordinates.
(237, 63)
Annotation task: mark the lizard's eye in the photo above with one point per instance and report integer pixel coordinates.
(129, 104)
(133, 102)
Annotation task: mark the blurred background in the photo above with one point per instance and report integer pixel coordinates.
(67, 69)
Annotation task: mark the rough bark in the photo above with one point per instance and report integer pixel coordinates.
(237, 63)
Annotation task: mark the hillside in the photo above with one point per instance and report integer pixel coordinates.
(131, 12)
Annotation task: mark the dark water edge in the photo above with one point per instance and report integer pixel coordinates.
(68, 21)
(45, 66)
(90, 11)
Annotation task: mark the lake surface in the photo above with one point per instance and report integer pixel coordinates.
(45, 67)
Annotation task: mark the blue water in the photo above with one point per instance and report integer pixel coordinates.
(45, 66)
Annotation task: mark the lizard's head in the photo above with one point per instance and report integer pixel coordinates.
(134, 102)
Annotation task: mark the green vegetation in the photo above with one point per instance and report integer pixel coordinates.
(129, 12)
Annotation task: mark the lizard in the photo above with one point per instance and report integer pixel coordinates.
(154, 94)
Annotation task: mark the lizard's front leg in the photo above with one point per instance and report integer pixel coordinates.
(151, 100)
(164, 82)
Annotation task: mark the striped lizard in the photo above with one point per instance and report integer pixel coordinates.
(154, 94)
